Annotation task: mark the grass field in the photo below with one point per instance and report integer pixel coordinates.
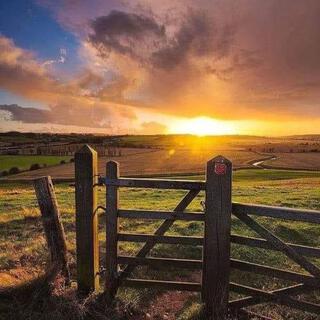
(309, 161)
(24, 254)
(24, 162)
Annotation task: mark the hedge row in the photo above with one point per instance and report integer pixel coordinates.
(34, 166)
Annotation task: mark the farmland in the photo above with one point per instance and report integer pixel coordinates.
(309, 161)
(24, 162)
(23, 248)
(162, 154)
(153, 161)
(24, 254)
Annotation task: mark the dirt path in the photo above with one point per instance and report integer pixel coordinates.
(259, 164)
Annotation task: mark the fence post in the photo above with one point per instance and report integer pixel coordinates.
(52, 224)
(86, 176)
(216, 252)
(112, 172)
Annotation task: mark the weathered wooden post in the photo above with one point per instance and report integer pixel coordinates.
(216, 252)
(86, 178)
(52, 224)
(112, 172)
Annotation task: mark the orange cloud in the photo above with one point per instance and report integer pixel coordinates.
(70, 103)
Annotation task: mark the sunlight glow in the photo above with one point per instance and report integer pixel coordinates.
(202, 126)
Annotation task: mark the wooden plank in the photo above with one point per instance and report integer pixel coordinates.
(112, 195)
(133, 237)
(164, 227)
(277, 298)
(279, 244)
(310, 216)
(52, 224)
(156, 215)
(165, 285)
(86, 171)
(216, 251)
(264, 244)
(249, 301)
(161, 262)
(156, 183)
(274, 272)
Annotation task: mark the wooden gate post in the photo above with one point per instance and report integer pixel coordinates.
(216, 252)
(86, 178)
(112, 172)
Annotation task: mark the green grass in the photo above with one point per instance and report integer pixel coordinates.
(255, 175)
(24, 162)
(23, 247)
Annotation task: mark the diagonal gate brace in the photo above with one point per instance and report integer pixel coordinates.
(183, 204)
(279, 244)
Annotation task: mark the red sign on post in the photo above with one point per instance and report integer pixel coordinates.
(220, 168)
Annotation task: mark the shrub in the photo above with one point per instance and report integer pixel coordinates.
(4, 173)
(62, 162)
(14, 170)
(35, 166)
(72, 160)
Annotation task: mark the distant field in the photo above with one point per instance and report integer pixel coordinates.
(301, 160)
(24, 162)
(153, 161)
(23, 250)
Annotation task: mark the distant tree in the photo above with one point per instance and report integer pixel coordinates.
(4, 173)
(35, 166)
(14, 170)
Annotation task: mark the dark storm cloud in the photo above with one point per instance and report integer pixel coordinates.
(27, 115)
(149, 42)
(122, 32)
(62, 114)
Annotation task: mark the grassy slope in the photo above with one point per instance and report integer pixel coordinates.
(24, 162)
(23, 252)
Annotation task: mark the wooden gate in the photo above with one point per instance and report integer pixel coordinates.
(215, 263)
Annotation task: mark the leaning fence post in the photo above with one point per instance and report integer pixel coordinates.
(86, 176)
(52, 224)
(112, 172)
(216, 253)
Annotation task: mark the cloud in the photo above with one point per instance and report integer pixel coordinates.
(27, 115)
(96, 117)
(68, 103)
(166, 56)
(125, 33)
(246, 59)
(152, 127)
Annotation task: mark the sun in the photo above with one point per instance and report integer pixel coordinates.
(202, 126)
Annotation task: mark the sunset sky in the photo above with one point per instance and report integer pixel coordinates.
(170, 66)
